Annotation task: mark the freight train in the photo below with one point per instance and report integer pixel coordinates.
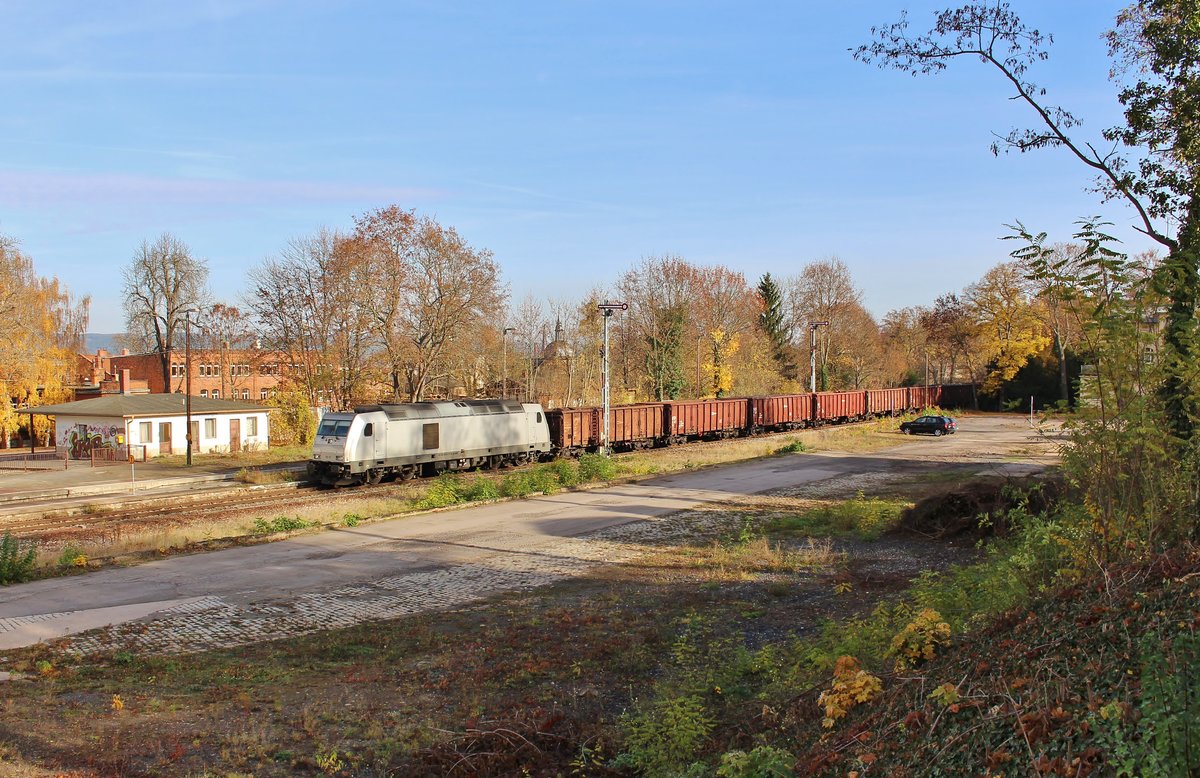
(406, 440)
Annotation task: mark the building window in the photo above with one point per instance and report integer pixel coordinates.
(210, 428)
(262, 394)
(146, 432)
(216, 394)
(204, 393)
(251, 426)
(245, 394)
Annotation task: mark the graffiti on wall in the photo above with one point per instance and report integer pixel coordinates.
(80, 442)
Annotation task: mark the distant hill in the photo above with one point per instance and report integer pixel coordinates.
(98, 340)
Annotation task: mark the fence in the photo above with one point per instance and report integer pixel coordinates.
(45, 460)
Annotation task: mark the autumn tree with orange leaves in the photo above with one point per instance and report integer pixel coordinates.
(40, 341)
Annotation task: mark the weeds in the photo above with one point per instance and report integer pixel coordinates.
(280, 524)
(795, 447)
(71, 556)
(16, 563)
(866, 518)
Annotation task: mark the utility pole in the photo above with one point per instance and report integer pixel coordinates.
(812, 353)
(504, 339)
(187, 390)
(607, 308)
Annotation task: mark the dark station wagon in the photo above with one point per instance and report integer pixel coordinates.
(930, 425)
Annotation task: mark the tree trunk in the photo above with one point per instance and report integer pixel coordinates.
(1064, 385)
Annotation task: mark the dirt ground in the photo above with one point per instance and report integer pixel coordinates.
(534, 681)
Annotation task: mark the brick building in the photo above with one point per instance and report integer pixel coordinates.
(231, 374)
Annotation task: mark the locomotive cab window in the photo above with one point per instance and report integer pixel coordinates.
(368, 430)
(334, 429)
(539, 417)
(429, 435)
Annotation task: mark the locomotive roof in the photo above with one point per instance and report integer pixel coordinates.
(433, 410)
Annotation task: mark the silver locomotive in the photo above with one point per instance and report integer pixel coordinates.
(406, 440)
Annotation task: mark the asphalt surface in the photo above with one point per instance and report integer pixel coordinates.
(330, 561)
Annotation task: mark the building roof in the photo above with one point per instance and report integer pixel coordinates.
(132, 405)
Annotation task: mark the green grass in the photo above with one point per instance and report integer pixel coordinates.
(862, 517)
(280, 524)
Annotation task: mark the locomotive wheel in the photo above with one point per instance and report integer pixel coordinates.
(407, 473)
(495, 461)
(373, 477)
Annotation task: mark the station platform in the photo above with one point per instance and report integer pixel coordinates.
(56, 481)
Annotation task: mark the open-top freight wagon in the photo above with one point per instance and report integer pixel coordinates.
(576, 430)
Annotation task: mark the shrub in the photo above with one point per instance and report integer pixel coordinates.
(72, 556)
(516, 485)
(280, 524)
(596, 467)
(351, 520)
(762, 762)
(480, 489)
(852, 686)
(15, 564)
(566, 471)
(919, 640)
(664, 737)
(795, 447)
(446, 489)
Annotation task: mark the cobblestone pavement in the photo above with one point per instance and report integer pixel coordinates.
(515, 561)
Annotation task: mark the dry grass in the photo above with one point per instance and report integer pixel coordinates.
(254, 475)
(868, 436)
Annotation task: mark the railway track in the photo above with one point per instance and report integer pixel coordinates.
(175, 509)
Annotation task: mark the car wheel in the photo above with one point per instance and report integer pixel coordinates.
(937, 433)
(906, 432)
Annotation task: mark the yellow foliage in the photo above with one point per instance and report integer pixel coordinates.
(852, 685)
(918, 641)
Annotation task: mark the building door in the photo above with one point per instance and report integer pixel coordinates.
(194, 433)
(164, 438)
(235, 435)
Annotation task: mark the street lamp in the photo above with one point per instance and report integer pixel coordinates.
(812, 353)
(504, 340)
(607, 308)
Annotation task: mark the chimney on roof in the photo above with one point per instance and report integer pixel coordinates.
(124, 352)
(125, 380)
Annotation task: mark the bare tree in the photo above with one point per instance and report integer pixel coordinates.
(427, 289)
(162, 283)
(306, 305)
(659, 291)
(823, 291)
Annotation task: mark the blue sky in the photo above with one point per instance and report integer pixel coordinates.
(570, 138)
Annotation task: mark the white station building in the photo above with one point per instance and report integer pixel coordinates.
(150, 425)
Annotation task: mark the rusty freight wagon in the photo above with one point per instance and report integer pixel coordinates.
(919, 397)
(574, 430)
(833, 407)
(705, 419)
(780, 412)
(887, 402)
(577, 430)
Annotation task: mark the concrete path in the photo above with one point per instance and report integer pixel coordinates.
(389, 569)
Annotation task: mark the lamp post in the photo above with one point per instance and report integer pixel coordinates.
(812, 353)
(607, 308)
(504, 347)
